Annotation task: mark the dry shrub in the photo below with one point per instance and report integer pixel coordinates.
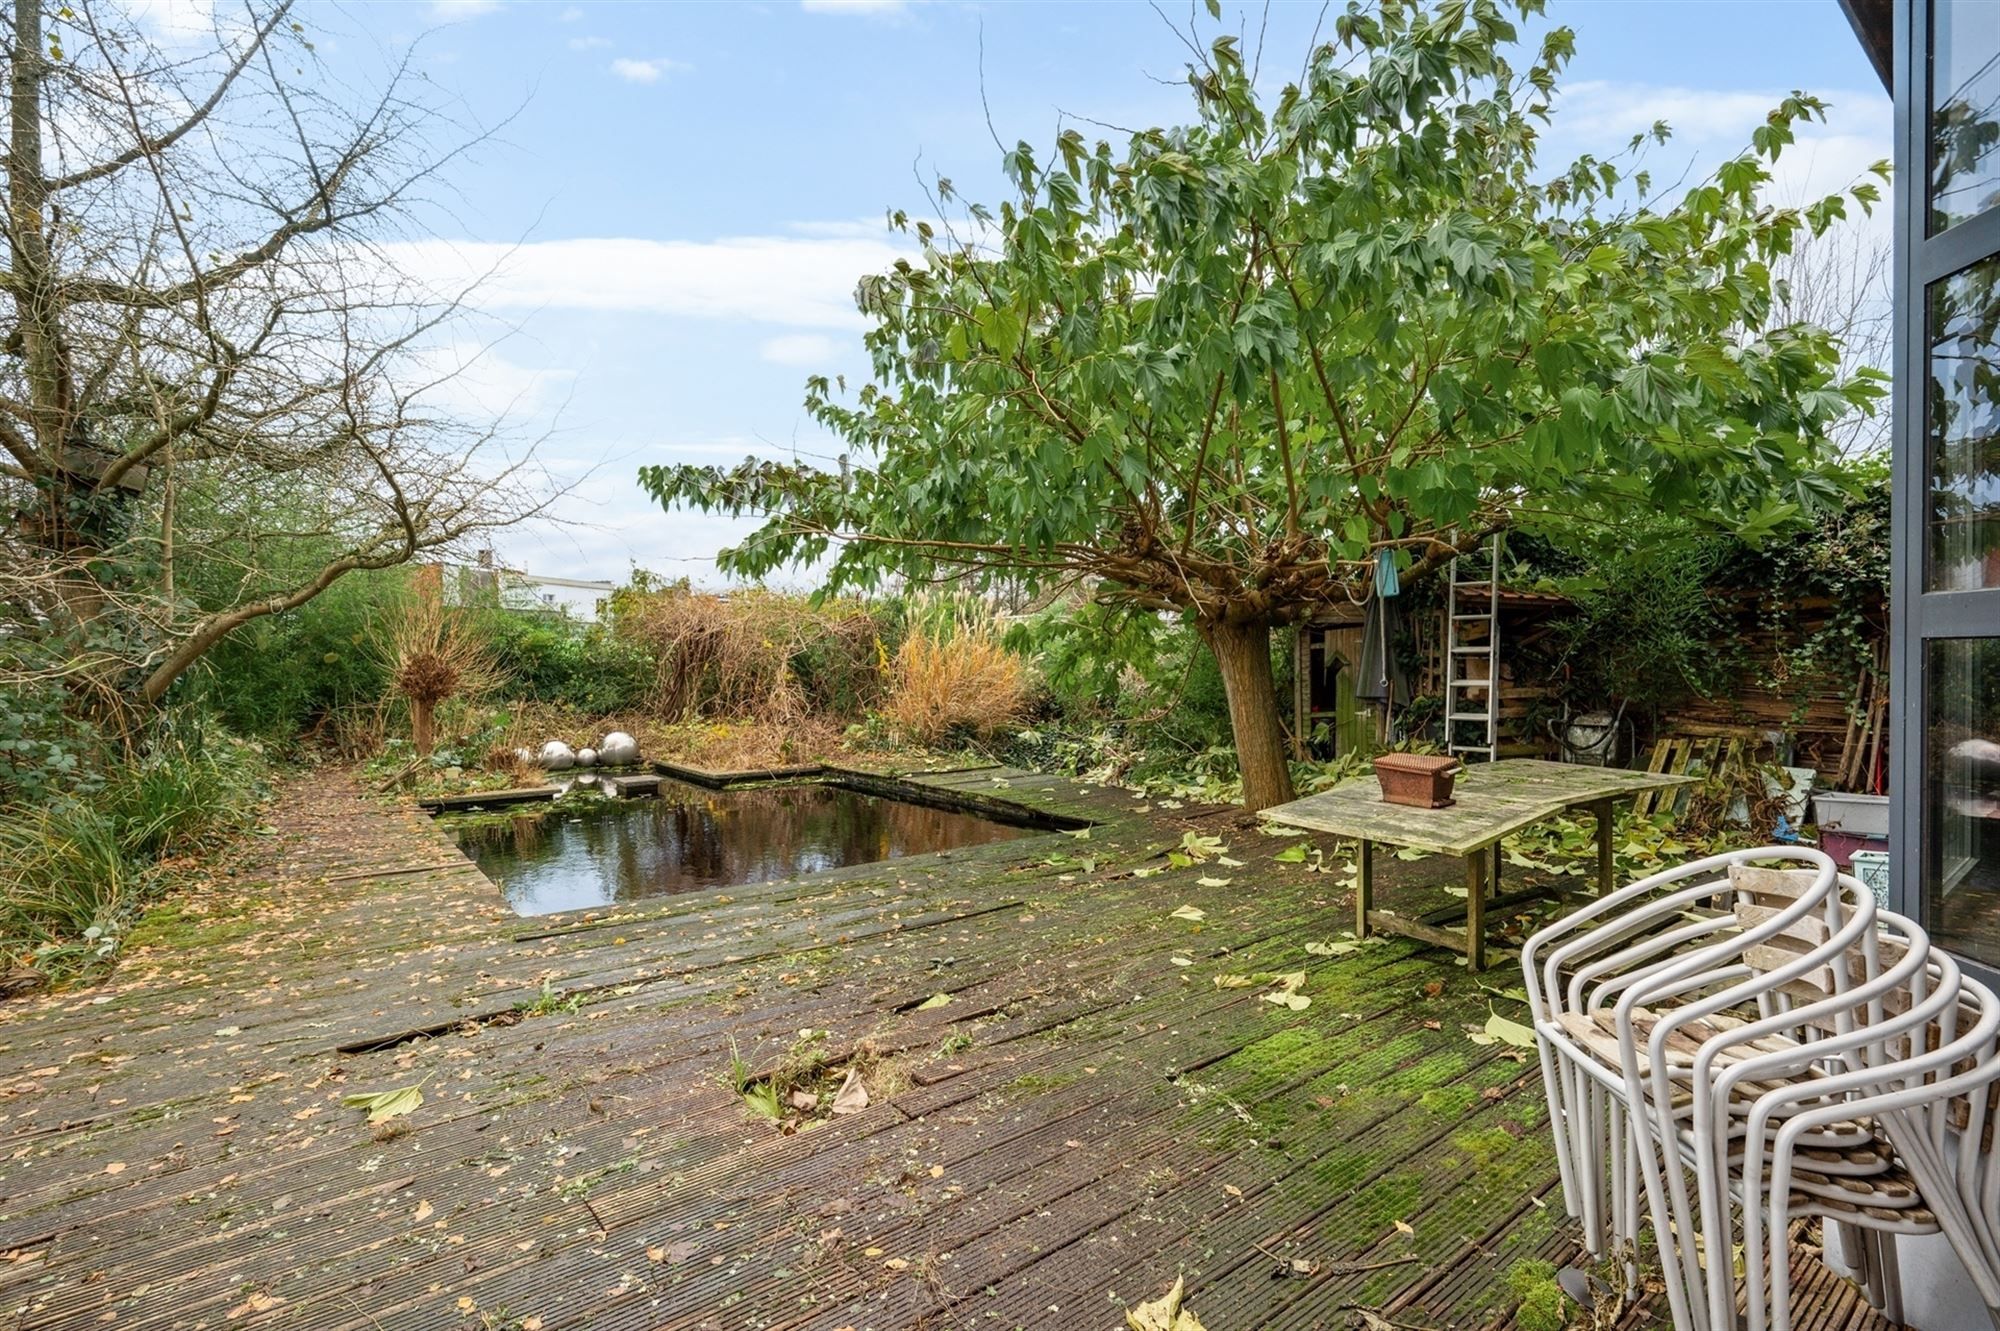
(518, 770)
(747, 745)
(960, 683)
(754, 653)
(433, 654)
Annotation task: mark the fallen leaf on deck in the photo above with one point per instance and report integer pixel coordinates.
(853, 1096)
(385, 1104)
(1233, 982)
(256, 1303)
(1181, 961)
(1212, 882)
(1287, 993)
(1194, 913)
(1509, 1032)
(1339, 949)
(934, 1002)
(1164, 1313)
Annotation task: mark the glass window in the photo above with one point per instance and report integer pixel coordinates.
(1965, 110)
(1962, 754)
(1962, 419)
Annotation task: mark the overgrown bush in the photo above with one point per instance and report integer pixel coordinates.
(593, 668)
(1132, 697)
(751, 653)
(45, 750)
(1646, 629)
(75, 872)
(281, 676)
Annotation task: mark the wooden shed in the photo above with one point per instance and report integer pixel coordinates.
(1328, 719)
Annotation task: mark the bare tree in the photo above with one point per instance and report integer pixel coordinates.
(1839, 281)
(199, 307)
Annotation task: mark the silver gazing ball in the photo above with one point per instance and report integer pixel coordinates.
(586, 757)
(557, 756)
(524, 755)
(618, 749)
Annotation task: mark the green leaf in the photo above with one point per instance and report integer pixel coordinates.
(1509, 1032)
(934, 1002)
(386, 1104)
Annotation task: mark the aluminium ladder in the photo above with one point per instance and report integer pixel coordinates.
(1460, 655)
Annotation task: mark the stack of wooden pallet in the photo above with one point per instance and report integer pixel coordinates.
(1689, 755)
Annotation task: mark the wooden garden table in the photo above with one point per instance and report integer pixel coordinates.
(1489, 802)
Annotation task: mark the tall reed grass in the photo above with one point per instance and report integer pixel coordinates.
(963, 684)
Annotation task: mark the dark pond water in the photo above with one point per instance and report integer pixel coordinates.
(551, 858)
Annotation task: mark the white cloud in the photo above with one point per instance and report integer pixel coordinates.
(794, 281)
(1620, 110)
(645, 71)
(868, 8)
(174, 21)
(457, 11)
(1709, 123)
(588, 43)
(805, 349)
(483, 384)
(569, 15)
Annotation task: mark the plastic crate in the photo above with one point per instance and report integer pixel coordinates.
(1872, 868)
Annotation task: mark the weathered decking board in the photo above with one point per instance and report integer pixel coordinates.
(1089, 1116)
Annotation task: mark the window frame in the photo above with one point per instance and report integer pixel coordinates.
(1917, 616)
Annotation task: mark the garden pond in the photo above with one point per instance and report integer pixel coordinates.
(571, 855)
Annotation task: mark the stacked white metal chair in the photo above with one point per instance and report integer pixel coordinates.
(1749, 1035)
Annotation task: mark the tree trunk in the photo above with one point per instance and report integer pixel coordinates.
(1243, 652)
(421, 729)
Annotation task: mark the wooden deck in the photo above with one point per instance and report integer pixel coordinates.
(1088, 1115)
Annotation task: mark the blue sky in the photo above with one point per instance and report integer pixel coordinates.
(686, 193)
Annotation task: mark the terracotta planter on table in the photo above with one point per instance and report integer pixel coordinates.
(1422, 781)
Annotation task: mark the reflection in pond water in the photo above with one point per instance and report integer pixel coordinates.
(549, 859)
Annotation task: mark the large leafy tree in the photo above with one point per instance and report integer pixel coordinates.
(1221, 371)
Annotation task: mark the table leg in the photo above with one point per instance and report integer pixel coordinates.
(1606, 879)
(1493, 877)
(1475, 911)
(1364, 888)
